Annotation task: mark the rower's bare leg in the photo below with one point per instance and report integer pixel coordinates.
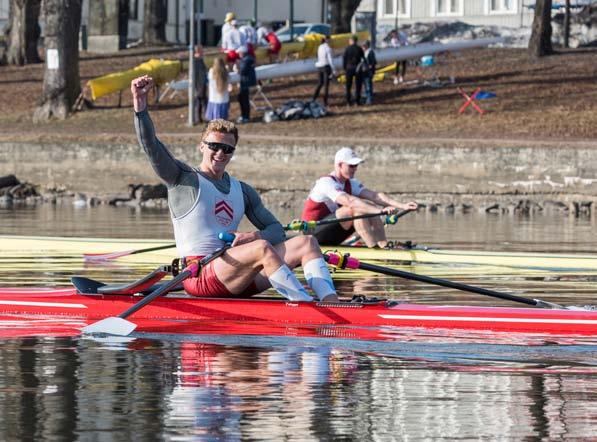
(303, 250)
(240, 266)
(372, 231)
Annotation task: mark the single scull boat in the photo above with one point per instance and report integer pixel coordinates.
(69, 304)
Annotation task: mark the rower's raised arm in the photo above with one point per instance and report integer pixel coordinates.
(268, 225)
(163, 162)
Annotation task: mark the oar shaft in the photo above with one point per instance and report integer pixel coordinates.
(153, 249)
(190, 270)
(445, 283)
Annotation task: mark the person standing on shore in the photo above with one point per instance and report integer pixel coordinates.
(397, 40)
(249, 36)
(325, 69)
(274, 45)
(353, 55)
(218, 102)
(231, 42)
(226, 26)
(371, 63)
(248, 79)
(205, 202)
(340, 195)
(200, 72)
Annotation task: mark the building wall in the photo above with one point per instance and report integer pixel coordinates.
(474, 12)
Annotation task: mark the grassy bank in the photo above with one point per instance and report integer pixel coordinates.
(551, 99)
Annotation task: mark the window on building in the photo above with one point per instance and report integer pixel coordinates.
(502, 6)
(447, 7)
(402, 6)
(388, 7)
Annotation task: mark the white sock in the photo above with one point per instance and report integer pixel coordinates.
(286, 284)
(319, 278)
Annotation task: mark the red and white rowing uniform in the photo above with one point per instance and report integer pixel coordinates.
(274, 43)
(196, 232)
(322, 198)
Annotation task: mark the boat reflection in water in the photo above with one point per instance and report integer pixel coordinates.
(210, 387)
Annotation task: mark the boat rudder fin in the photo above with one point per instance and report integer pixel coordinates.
(86, 285)
(134, 287)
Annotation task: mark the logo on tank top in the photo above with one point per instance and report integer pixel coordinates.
(224, 213)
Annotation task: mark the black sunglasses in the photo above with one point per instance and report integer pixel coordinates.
(226, 148)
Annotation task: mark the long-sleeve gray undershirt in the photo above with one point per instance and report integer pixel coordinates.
(183, 184)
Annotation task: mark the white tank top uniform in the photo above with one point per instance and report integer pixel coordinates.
(196, 232)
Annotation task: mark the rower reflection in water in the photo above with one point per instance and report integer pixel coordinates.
(207, 202)
(340, 195)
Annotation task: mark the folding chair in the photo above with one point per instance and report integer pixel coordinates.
(259, 93)
(173, 87)
(471, 100)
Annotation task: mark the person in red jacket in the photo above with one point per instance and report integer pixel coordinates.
(274, 45)
(340, 195)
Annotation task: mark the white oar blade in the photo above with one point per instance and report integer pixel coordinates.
(111, 326)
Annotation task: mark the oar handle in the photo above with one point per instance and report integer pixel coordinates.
(393, 219)
(345, 261)
(305, 226)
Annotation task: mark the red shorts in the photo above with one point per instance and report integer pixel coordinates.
(274, 48)
(207, 284)
(232, 56)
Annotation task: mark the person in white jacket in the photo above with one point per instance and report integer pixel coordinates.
(325, 69)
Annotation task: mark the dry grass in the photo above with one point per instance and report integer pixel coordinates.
(554, 98)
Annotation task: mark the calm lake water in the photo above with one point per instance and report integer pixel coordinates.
(407, 386)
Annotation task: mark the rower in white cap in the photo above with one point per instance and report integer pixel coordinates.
(340, 195)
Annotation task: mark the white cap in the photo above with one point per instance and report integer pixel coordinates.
(347, 155)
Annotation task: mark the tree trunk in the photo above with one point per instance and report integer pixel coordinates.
(341, 12)
(61, 79)
(540, 42)
(23, 32)
(567, 25)
(154, 22)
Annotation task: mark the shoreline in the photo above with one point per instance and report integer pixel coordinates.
(449, 176)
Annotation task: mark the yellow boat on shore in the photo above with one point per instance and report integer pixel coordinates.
(73, 246)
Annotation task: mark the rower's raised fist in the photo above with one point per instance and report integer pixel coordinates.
(140, 87)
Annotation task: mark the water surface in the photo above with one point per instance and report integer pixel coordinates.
(408, 385)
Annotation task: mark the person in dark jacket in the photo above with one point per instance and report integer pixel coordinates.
(369, 71)
(353, 55)
(248, 78)
(200, 71)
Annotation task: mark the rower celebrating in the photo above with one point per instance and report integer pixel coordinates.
(207, 202)
(340, 195)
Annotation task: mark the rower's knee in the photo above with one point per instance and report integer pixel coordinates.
(263, 249)
(308, 243)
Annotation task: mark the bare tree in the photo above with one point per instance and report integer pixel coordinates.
(567, 25)
(61, 79)
(341, 12)
(23, 31)
(154, 22)
(540, 42)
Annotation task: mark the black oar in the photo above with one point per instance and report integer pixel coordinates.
(118, 325)
(305, 226)
(114, 255)
(344, 261)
